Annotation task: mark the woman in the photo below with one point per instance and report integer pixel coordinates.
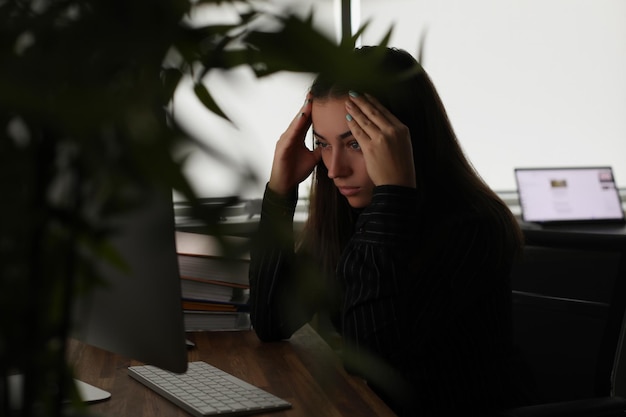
(405, 249)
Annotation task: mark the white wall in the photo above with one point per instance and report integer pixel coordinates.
(525, 82)
(261, 110)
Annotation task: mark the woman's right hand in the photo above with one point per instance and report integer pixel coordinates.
(293, 161)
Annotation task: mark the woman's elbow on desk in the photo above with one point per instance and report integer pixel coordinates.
(269, 335)
(267, 330)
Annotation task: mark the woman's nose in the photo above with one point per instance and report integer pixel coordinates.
(337, 165)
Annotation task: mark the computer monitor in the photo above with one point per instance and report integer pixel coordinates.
(138, 312)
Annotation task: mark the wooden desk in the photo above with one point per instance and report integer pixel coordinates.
(303, 370)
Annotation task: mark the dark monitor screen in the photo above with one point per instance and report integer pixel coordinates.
(138, 312)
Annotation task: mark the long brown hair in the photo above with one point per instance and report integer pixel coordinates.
(444, 176)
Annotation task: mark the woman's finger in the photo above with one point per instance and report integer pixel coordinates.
(361, 127)
(366, 112)
(370, 113)
(373, 101)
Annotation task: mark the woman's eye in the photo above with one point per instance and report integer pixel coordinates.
(354, 145)
(320, 144)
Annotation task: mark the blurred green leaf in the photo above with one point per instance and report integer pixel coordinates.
(171, 78)
(84, 88)
(207, 99)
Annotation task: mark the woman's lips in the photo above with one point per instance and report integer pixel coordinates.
(348, 191)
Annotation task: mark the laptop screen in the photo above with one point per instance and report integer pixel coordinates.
(586, 194)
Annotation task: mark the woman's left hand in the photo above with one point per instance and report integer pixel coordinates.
(384, 140)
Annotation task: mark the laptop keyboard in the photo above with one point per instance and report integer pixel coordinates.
(205, 390)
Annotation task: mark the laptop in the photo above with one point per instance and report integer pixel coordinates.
(584, 197)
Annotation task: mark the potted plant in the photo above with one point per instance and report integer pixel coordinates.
(84, 91)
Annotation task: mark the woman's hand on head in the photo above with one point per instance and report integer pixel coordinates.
(384, 140)
(293, 161)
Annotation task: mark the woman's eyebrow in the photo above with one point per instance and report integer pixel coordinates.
(342, 136)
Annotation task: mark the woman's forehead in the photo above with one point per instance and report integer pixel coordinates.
(329, 119)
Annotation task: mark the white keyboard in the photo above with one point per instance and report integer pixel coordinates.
(205, 390)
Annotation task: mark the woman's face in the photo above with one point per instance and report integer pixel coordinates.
(341, 153)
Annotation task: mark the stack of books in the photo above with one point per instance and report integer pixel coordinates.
(214, 283)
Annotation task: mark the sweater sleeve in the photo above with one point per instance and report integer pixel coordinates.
(280, 300)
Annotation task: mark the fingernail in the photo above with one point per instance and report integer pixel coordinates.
(353, 93)
(348, 117)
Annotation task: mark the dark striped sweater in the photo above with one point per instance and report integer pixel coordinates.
(424, 307)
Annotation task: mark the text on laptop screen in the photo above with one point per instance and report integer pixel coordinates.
(568, 194)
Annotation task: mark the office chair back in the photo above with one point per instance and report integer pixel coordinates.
(568, 311)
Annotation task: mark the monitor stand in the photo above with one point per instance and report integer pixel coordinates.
(88, 393)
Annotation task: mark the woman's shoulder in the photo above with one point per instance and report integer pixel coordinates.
(490, 219)
(491, 225)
